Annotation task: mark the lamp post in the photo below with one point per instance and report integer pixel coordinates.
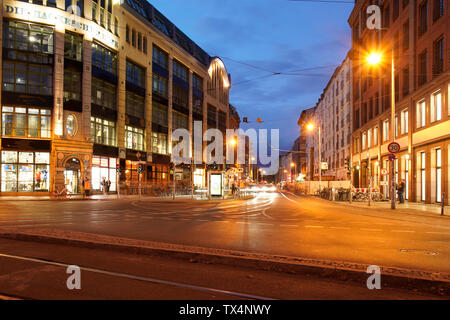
(370, 176)
(375, 59)
(295, 170)
(310, 127)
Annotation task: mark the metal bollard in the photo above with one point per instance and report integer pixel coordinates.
(442, 203)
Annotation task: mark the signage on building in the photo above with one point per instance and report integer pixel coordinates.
(324, 166)
(122, 154)
(56, 17)
(393, 147)
(384, 171)
(216, 184)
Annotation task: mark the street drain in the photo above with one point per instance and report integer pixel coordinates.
(428, 252)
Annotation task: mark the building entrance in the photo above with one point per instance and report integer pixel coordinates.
(72, 176)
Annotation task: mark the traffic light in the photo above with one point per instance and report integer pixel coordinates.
(118, 168)
(140, 167)
(347, 165)
(213, 166)
(244, 120)
(258, 120)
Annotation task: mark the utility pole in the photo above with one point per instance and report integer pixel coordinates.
(393, 123)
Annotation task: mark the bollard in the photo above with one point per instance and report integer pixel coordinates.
(442, 203)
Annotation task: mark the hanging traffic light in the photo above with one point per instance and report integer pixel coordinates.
(140, 167)
(118, 168)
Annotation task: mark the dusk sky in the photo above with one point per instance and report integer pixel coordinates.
(256, 38)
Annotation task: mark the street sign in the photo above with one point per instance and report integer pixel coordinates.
(384, 183)
(391, 157)
(384, 171)
(393, 147)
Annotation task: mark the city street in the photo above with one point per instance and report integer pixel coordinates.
(271, 223)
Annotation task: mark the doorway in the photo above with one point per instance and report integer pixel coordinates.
(72, 176)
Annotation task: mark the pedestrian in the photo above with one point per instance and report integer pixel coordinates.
(401, 190)
(87, 187)
(103, 184)
(108, 185)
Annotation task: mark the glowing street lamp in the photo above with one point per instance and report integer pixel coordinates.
(310, 127)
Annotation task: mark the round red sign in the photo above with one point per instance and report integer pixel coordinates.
(384, 172)
(393, 147)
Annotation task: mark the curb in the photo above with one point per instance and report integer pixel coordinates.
(423, 281)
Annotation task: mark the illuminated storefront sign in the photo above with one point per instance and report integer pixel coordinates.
(56, 16)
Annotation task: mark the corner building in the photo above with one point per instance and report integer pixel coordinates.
(417, 33)
(88, 85)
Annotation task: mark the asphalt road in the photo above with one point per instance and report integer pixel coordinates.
(38, 271)
(272, 223)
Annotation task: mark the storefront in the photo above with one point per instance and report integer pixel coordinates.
(103, 168)
(25, 171)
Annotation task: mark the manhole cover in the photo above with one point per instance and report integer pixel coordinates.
(428, 252)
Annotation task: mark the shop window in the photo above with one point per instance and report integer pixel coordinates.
(103, 94)
(134, 138)
(73, 46)
(159, 143)
(135, 105)
(28, 37)
(24, 171)
(103, 168)
(103, 131)
(72, 85)
(104, 59)
(27, 78)
(26, 122)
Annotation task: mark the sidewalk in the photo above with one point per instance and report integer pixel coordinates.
(114, 197)
(429, 208)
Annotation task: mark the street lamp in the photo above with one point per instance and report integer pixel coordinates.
(310, 127)
(373, 59)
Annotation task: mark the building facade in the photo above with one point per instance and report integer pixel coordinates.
(416, 34)
(332, 114)
(89, 86)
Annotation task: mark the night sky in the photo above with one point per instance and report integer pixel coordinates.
(257, 38)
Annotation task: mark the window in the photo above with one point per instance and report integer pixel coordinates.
(422, 176)
(144, 45)
(80, 7)
(103, 94)
(180, 71)
(357, 145)
(160, 57)
(103, 131)
(422, 76)
(406, 35)
(160, 114)
(395, 10)
(135, 74)
(438, 9)
(369, 138)
(133, 37)
(364, 141)
(27, 78)
(103, 168)
(116, 26)
(135, 105)
(72, 85)
(159, 143)
(102, 17)
(73, 46)
(134, 138)
(375, 136)
(421, 114)
(423, 18)
(127, 34)
(396, 127)
(26, 122)
(109, 18)
(25, 171)
(438, 59)
(436, 106)
(197, 82)
(27, 37)
(179, 121)
(71, 125)
(160, 85)
(387, 17)
(404, 121)
(104, 59)
(385, 130)
(438, 175)
(139, 41)
(161, 26)
(405, 87)
(51, 3)
(94, 11)
(180, 96)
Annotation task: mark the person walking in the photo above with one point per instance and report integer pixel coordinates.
(108, 185)
(401, 191)
(87, 187)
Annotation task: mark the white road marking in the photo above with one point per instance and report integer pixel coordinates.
(340, 228)
(367, 229)
(435, 232)
(403, 231)
(313, 226)
(288, 225)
